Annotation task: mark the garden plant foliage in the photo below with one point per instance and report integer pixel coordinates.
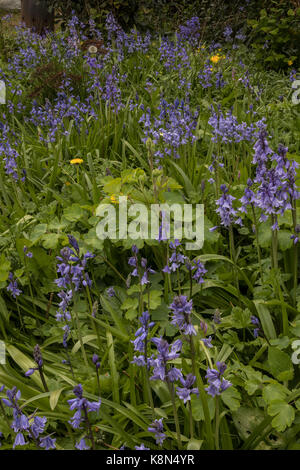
(141, 344)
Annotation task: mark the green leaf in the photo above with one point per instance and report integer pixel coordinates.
(197, 408)
(194, 444)
(4, 268)
(74, 213)
(265, 320)
(273, 392)
(37, 233)
(232, 398)
(50, 241)
(240, 317)
(54, 397)
(280, 364)
(284, 414)
(284, 240)
(155, 299)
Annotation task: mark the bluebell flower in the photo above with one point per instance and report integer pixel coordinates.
(141, 340)
(81, 404)
(13, 286)
(19, 440)
(157, 428)
(207, 342)
(141, 447)
(82, 445)
(162, 370)
(182, 309)
(217, 383)
(111, 292)
(47, 443)
(185, 392)
(96, 361)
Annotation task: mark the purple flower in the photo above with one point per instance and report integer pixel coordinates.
(38, 426)
(162, 370)
(19, 440)
(157, 428)
(185, 392)
(13, 286)
(81, 404)
(47, 443)
(21, 424)
(82, 445)
(225, 208)
(27, 253)
(141, 447)
(190, 31)
(111, 292)
(134, 262)
(141, 339)
(182, 309)
(96, 361)
(207, 342)
(255, 321)
(217, 383)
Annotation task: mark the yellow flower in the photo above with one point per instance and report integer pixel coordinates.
(290, 62)
(76, 161)
(215, 58)
(113, 199)
(67, 183)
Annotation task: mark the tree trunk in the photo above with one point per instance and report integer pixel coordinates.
(36, 15)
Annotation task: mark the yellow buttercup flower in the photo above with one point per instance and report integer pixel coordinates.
(215, 59)
(290, 62)
(76, 161)
(113, 199)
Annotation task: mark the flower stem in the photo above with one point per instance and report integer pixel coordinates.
(171, 390)
(217, 424)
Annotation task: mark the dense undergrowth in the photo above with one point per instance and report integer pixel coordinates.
(150, 345)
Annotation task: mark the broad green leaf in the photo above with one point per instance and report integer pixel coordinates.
(280, 364)
(284, 414)
(232, 398)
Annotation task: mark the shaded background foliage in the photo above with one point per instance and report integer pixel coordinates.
(273, 26)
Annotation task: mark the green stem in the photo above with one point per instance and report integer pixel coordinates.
(274, 246)
(257, 244)
(80, 340)
(171, 390)
(217, 423)
(43, 379)
(92, 318)
(203, 397)
(191, 421)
